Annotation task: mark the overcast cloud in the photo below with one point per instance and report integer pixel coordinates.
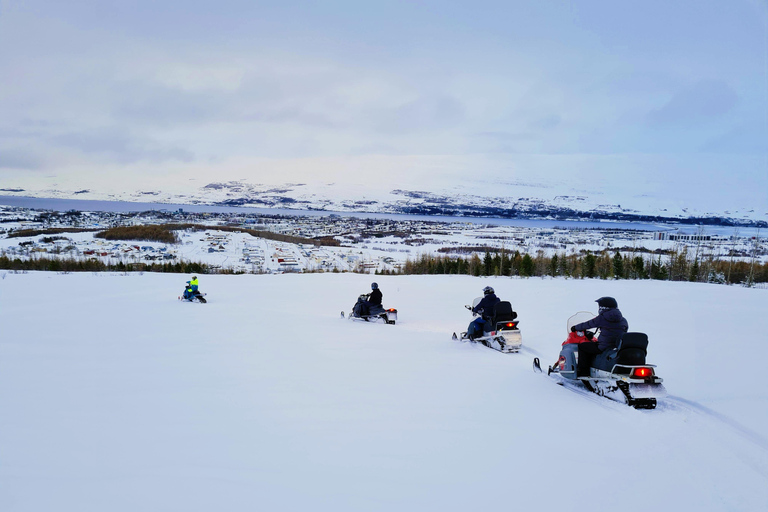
(173, 83)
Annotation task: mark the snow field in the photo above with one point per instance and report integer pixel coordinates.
(116, 396)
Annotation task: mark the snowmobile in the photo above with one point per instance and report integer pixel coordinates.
(361, 311)
(620, 374)
(505, 336)
(193, 297)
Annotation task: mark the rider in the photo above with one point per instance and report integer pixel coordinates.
(367, 302)
(484, 310)
(374, 298)
(192, 288)
(611, 324)
(188, 294)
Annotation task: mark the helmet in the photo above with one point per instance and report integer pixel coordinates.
(374, 286)
(194, 277)
(488, 290)
(607, 302)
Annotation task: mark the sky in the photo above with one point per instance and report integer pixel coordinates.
(593, 90)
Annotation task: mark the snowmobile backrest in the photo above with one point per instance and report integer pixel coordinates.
(632, 348)
(502, 312)
(633, 340)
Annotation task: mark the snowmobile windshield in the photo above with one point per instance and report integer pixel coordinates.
(578, 318)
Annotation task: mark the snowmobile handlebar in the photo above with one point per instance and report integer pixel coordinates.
(587, 334)
(471, 309)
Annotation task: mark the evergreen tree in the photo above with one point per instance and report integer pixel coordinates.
(638, 268)
(564, 266)
(526, 266)
(618, 266)
(553, 266)
(496, 264)
(693, 275)
(588, 268)
(503, 263)
(659, 270)
(487, 264)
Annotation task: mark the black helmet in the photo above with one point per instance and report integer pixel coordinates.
(194, 277)
(607, 302)
(374, 286)
(488, 290)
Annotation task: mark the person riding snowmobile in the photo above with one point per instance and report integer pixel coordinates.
(484, 310)
(374, 298)
(372, 302)
(191, 290)
(612, 326)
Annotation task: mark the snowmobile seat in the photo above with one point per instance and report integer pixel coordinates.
(502, 312)
(632, 349)
(630, 352)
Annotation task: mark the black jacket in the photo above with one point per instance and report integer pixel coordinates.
(485, 306)
(611, 324)
(375, 297)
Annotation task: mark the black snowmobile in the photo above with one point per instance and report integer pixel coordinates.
(505, 336)
(620, 374)
(362, 311)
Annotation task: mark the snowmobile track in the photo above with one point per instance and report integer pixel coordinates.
(529, 350)
(680, 403)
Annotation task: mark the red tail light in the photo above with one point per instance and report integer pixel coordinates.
(510, 325)
(642, 373)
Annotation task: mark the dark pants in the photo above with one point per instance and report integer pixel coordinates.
(478, 327)
(587, 352)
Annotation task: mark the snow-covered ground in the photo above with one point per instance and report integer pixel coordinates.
(384, 246)
(115, 396)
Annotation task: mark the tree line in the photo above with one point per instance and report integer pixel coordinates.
(95, 265)
(676, 265)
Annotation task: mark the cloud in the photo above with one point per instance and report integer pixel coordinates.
(20, 159)
(97, 85)
(704, 101)
(120, 146)
(427, 113)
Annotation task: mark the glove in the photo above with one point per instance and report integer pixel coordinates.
(573, 329)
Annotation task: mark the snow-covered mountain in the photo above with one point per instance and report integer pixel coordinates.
(116, 396)
(642, 197)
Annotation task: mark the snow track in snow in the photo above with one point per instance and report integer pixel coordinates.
(676, 402)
